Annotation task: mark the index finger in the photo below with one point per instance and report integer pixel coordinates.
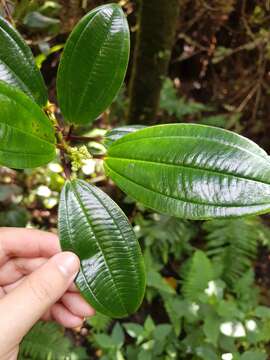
(19, 242)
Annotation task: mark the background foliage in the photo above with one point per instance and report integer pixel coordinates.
(207, 282)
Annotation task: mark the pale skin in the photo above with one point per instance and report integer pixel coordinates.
(36, 282)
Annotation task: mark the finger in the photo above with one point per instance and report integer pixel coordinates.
(73, 288)
(21, 308)
(2, 292)
(17, 242)
(16, 268)
(77, 305)
(65, 317)
(10, 287)
(47, 316)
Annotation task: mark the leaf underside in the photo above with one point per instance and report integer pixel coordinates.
(17, 64)
(26, 134)
(91, 225)
(93, 64)
(192, 171)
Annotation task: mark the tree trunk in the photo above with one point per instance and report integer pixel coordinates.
(155, 38)
(70, 14)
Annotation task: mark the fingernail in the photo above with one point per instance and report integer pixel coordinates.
(68, 263)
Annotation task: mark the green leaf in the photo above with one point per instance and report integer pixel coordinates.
(254, 355)
(119, 132)
(17, 64)
(211, 328)
(118, 335)
(104, 341)
(228, 309)
(149, 325)
(36, 21)
(8, 191)
(192, 171)
(26, 135)
(206, 352)
(93, 65)
(155, 280)
(14, 216)
(175, 309)
(134, 330)
(145, 354)
(112, 276)
(263, 312)
(162, 331)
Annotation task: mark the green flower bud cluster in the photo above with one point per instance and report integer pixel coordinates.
(78, 157)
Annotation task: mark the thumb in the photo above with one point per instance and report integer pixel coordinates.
(24, 306)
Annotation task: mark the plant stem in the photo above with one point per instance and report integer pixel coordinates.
(83, 138)
(65, 164)
(7, 12)
(62, 145)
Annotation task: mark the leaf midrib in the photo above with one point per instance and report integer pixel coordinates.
(74, 248)
(118, 71)
(181, 199)
(188, 166)
(179, 137)
(26, 134)
(96, 59)
(98, 243)
(120, 230)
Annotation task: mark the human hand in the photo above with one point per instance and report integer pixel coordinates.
(36, 281)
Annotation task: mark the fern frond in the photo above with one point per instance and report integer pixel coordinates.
(165, 235)
(45, 341)
(233, 243)
(179, 106)
(197, 276)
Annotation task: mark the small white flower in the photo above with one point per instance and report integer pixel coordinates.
(50, 203)
(44, 191)
(233, 329)
(213, 289)
(251, 325)
(137, 228)
(227, 356)
(56, 168)
(89, 166)
(194, 308)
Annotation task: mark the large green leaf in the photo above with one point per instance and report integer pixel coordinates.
(117, 133)
(26, 134)
(192, 171)
(112, 274)
(93, 65)
(17, 64)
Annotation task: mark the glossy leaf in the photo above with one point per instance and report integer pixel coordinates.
(117, 133)
(26, 134)
(93, 65)
(17, 64)
(192, 171)
(91, 225)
